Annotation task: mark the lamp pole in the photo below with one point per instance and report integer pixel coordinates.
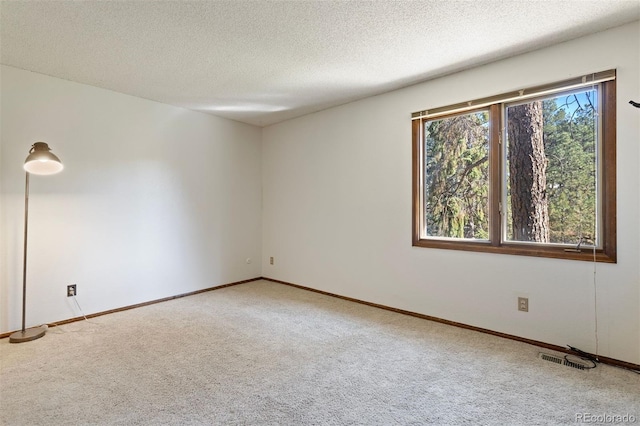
(24, 254)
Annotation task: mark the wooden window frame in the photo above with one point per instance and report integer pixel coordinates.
(607, 252)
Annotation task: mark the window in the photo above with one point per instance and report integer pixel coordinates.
(527, 173)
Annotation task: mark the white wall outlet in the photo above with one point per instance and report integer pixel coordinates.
(523, 304)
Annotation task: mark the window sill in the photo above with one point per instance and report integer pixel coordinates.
(604, 256)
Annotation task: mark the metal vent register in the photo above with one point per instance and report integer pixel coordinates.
(578, 364)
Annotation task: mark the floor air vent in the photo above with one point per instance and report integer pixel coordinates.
(562, 361)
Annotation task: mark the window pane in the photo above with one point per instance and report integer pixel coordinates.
(456, 177)
(551, 169)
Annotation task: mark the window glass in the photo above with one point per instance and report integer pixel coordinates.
(456, 176)
(551, 180)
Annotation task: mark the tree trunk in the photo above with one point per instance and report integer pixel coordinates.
(528, 173)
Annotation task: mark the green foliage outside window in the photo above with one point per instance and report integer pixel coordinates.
(457, 176)
(570, 147)
(456, 173)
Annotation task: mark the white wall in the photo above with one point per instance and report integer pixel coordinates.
(154, 200)
(337, 210)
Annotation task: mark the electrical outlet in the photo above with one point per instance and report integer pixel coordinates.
(523, 304)
(71, 290)
(271, 260)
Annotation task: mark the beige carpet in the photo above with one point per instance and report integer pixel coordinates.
(268, 354)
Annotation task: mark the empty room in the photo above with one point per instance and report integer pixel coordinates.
(322, 212)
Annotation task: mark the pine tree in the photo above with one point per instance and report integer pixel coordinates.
(527, 173)
(457, 176)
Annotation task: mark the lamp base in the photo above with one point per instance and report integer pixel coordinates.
(28, 335)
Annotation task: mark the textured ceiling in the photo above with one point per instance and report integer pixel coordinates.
(262, 62)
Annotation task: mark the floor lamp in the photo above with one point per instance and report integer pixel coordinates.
(40, 161)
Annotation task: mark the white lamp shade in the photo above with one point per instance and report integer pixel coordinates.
(41, 161)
